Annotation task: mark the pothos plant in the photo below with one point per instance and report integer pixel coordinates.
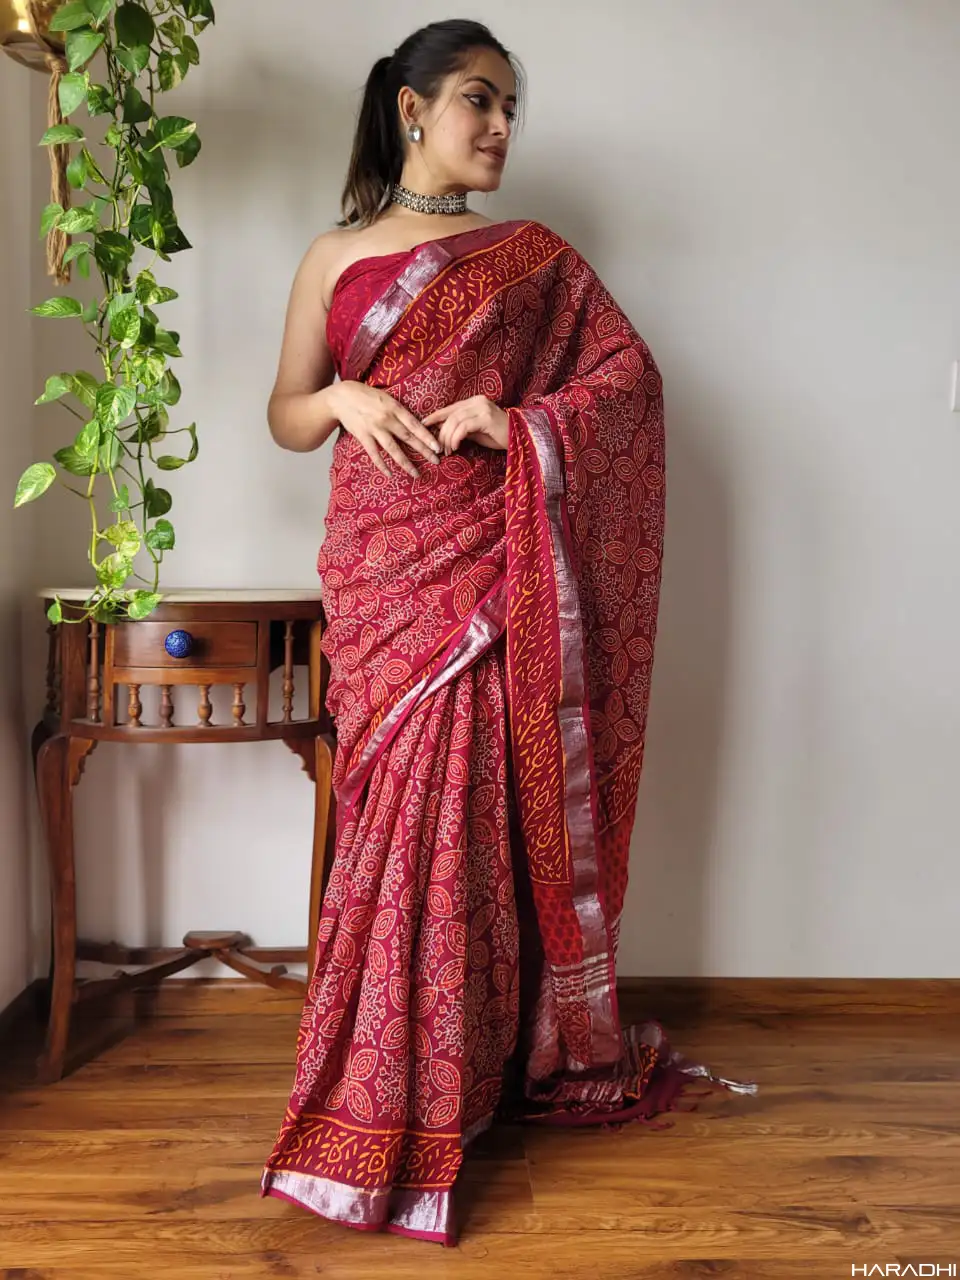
(148, 47)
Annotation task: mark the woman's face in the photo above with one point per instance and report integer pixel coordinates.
(467, 130)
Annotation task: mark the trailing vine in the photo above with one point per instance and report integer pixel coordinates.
(148, 47)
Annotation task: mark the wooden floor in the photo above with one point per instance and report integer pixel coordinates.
(145, 1162)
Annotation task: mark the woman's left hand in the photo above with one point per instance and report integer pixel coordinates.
(478, 417)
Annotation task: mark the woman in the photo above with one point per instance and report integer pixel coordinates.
(490, 577)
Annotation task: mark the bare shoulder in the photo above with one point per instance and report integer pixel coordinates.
(333, 251)
(321, 255)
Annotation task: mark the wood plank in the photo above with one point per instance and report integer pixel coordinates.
(536, 1248)
(153, 1151)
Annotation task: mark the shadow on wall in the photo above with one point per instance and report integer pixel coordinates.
(665, 910)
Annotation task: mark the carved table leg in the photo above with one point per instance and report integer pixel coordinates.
(324, 838)
(59, 764)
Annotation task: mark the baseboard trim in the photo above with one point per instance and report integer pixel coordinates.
(740, 999)
(21, 1009)
(677, 1000)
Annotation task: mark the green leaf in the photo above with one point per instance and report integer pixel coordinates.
(74, 462)
(51, 215)
(76, 221)
(189, 46)
(200, 11)
(100, 10)
(145, 286)
(58, 384)
(113, 252)
(59, 134)
(135, 110)
(125, 327)
(167, 342)
(77, 171)
(77, 250)
(81, 46)
(168, 388)
(114, 570)
(168, 72)
(188, 152)
(122, 500)
(154, 426)
(133, 163)
(85, 386)
(133, 60)
(151, 426)
(91, 310)
(99, 100)
(119, 302)
(125, 536)
(87, 441)
(109, 454)
(155, 171)
(149, 366)
(133, 25)
(58, 307)
(173, 29)
(92, 166)
(173, 131)
(55, 612)
(142, 604)
(156, 502)
(161, 537)
(70, 16)
(34, 481)
(114, 403)
(71, 91)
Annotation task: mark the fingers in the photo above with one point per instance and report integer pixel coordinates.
(438, 415)
(417, 434)
(455, 428)
(375, 458)
(389, 444)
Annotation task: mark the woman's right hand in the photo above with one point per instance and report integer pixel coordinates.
(381, 423)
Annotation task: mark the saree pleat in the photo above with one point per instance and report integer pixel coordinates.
(490, 633)
(417, 976)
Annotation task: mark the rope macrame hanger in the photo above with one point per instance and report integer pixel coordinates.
(57, 240)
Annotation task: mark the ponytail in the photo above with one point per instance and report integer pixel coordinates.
(377, 157)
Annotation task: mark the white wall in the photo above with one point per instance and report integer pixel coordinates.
(18, 239)
(771, 191)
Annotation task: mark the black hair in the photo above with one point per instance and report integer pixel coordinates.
(422, 61)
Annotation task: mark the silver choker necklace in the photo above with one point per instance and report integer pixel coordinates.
(456, 202)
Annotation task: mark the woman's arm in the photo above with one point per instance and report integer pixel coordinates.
(301, 412)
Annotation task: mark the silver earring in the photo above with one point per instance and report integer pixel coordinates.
(414, 133)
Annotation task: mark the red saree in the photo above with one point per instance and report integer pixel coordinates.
(490, 633)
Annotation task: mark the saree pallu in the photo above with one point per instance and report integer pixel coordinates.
(490, 635)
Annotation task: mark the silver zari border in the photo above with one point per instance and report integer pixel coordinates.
(484, 629)
(426, 265)
(596, 963)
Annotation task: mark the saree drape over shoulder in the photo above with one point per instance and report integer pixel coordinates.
(490, 635)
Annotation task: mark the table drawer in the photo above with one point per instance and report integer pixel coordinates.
(213, 644)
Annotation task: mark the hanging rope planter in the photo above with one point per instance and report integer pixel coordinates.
(25, 36)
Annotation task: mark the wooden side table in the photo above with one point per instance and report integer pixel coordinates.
(95, 675)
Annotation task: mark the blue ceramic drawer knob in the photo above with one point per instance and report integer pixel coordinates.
(179, 644)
